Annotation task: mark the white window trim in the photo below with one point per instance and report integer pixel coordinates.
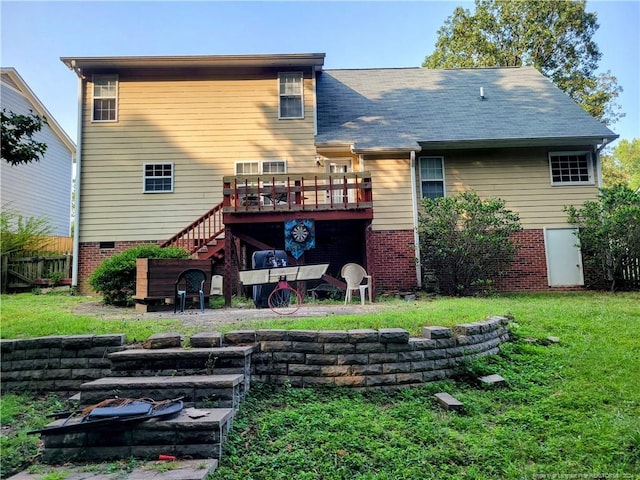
(591, 180)
(280, 117)
(590, 169)
(444, 183)
(93, 96)
(144, 177)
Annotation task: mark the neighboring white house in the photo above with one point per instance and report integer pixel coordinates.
(40, 189)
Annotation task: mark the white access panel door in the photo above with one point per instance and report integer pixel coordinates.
(564, 259)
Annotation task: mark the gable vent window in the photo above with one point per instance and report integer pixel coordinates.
(105, 98)
(291, 101)
(432, 177)
(571, 168)
(158, 177)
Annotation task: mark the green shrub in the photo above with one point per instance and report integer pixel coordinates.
(115, 278)
(466, 241)
(609, 233)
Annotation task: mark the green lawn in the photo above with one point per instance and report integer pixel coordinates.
(570, 409)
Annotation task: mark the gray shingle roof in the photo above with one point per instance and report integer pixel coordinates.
(400, 108)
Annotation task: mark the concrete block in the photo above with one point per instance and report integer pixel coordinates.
(240, 337)
(206, 340)
(374, 347)
(163, 340)
(271, 335)
(399, 367)
(339, 348)
(275, 346)
(435, 333)
(363, 335)
(393, 335)
(303, 335)
(321, 359)
(333, 336)
(383, 357)
(492, 380)
(449, 402)
(289, 357)
(353, 359)
(307, 347)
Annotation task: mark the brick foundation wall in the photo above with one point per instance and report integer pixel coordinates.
(91, 255)
(391, 260)
(529, 269)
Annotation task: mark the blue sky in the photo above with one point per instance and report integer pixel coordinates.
(352, 34)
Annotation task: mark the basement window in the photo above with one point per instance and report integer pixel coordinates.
(571, 168)
(158, 178)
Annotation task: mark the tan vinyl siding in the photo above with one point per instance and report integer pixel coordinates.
(392, 199)
(521, 178)
(203, 126)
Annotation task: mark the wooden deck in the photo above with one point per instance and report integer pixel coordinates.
(298, 193)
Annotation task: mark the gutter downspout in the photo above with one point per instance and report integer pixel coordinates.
(416, 237)
(598, 165)
(315, 102)
(76, 213)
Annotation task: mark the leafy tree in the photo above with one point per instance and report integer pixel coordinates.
(115, 277)
(622, 166)
(555, 36)
(466, 240)
(609, 232)
(18, 145)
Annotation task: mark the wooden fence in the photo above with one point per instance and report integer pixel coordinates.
(631, 273)
(29, 272)
(60, 245)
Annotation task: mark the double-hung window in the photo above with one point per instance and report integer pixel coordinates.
(290, 87)
(158, 178)
(432, 177)
(105, 98)
(571, 168)
(263, 168)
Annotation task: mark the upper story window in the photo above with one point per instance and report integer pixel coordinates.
(158, 178)
(290, 87)
(571, 168)
(105, 98)
(432, 177)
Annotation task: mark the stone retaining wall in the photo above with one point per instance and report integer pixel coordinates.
(385, 358)
(57, 363)
(364, 358)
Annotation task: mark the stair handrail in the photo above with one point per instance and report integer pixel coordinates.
(206, 228)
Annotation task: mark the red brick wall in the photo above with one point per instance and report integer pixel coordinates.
(91, 255)
(529, 270)
(392, 260)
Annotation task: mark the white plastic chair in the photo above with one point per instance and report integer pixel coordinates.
(354, 274)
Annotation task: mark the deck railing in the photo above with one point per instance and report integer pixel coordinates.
(297, 192)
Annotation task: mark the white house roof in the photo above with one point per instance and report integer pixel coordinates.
(413, 108)
(12, 78)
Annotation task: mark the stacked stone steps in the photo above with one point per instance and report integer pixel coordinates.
(181, 436)
(184, 362)
(211, 381)
(202, 391)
